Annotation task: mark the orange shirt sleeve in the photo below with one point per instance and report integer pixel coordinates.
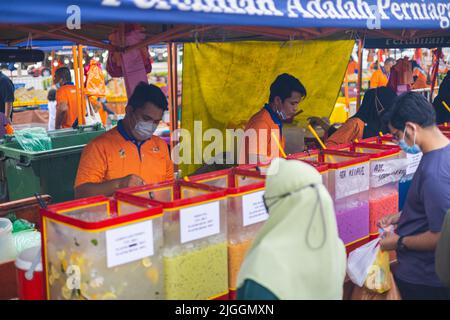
(350, 130)
(93, 164)
(169, 163)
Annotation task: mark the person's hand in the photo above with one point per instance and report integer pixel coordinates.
(388, 220)
(388, 241)
(131, 180)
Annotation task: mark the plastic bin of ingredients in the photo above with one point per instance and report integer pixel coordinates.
(99, 249)
(195, 238)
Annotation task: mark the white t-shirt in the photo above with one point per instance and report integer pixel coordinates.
(51, 115)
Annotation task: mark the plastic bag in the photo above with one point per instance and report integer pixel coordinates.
(95, 81)
(365, 294)
(360, 261)
(378, 275)
(33, 139)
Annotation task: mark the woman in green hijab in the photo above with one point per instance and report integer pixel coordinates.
(297, 254)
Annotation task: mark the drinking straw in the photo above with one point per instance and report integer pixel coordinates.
(446, 106)
(279, 145)
(316, 136)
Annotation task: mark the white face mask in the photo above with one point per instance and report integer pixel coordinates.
(143, 130)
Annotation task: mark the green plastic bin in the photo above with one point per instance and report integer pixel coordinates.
(50, 172)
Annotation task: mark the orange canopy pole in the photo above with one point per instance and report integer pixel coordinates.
(172, 84)
(347, 100)
(82, 95)
(77, 80)
(52, 67)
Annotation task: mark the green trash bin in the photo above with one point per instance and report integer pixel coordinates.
(50, 172)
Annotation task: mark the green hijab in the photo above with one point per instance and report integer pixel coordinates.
(297, 254)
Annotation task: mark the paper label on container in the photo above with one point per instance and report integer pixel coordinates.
(383, 172)
(413, 162)
(253, 209)
(199, 222)
(129, 243)
(350, 181)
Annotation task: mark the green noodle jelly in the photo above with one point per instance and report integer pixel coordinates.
(197, 274)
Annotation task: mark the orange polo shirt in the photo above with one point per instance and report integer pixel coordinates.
(68, 94)
(263, 120)
(378, 79)
(115, 155)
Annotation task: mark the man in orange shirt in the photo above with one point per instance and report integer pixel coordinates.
(286, 92)
(66, 99)
(380, 77)
(129, 154)
(352, 67)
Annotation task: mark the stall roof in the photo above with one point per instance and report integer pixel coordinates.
(225, 20)
(392, 14)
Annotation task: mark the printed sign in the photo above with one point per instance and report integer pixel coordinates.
(199, 222)
(387, 171)
(253, 209)
(130, 243)
(413, 162)
(350, 181)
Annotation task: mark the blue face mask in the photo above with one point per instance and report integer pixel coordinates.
(58, 85)
(414, 149)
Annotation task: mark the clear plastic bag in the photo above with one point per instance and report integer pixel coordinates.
(33, 139)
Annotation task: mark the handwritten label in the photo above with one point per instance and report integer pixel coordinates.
(387, 171)
(130, 243)
(253, 209)
(199, 222)
(413, 162)
(350, 181)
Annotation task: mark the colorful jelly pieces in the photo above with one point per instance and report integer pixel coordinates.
(236, 255)
(381, 204)
(197, 274)
(353, 222)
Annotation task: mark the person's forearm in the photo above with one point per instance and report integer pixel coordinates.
(60, 117)
(95, 189)
(422, 242)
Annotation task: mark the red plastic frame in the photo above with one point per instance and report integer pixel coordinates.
(357, 157)
(232, 173)
(215, 193)
(149, 209)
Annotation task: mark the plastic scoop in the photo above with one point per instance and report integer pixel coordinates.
(34, 263)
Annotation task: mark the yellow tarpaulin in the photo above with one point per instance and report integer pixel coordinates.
(224, 84)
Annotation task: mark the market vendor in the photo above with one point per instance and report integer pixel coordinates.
(129, 154)
(286, 92)
(66, 99)
(6, 96)
(366, 123)
(380, 77)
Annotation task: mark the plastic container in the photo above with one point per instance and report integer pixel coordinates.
(30, 278)
(50, 172)
(102, 249)
(195, 238)
(246, 213)
(386, 170)
(7, 249)
(348, 185)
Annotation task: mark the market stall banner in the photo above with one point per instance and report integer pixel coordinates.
(372, 14)
(423, 42)
(224, 84)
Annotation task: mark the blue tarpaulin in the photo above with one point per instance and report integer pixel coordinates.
(367, 14)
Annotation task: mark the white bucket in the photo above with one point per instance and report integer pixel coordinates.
(7, 249)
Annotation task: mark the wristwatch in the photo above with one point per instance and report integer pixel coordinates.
(400, 245)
